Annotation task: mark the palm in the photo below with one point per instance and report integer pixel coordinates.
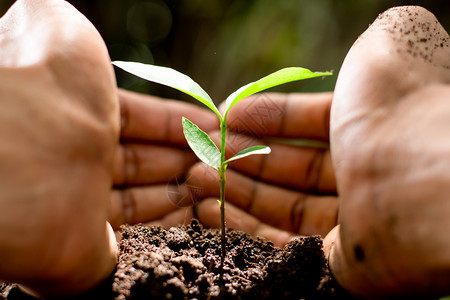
(59, 126)
(389, 130)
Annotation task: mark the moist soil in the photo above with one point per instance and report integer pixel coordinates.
(184, 263)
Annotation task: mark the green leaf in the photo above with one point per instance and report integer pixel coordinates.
(201, 144)
(277, 78)
(171, 78)
(259, 149)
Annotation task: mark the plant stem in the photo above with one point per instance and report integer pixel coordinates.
(222, 170)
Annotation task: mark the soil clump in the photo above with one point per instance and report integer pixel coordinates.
(184, 263)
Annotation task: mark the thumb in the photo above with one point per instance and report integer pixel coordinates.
(339, 265)
(345, 272)
(329, 241)
(363, 277)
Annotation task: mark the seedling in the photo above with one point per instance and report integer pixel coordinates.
(197, 139)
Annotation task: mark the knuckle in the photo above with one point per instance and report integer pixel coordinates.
(130, 165)
(314, 170)
(128, 206)
(297, 213)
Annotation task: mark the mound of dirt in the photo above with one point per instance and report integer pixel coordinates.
(184, 263)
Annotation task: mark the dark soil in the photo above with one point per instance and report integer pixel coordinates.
(184, 263)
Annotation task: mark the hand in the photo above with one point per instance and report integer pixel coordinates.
(152, 153)
(60, 155)
(390, 147)
(59, 127)
(278, 196)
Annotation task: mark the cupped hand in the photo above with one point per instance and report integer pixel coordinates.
(291, 191)
(60, 151)
(390, 146)
(59, 127)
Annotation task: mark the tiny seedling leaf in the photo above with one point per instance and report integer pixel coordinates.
(201, 144)
(169, 77)
(259, 149)
(277, 78)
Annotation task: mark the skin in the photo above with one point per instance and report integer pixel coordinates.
(151, 153)
(389, 122)
(389, 117)
(305, 189)
(389, 159)
(70, 160)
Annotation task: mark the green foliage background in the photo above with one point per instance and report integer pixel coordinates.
(223, 44)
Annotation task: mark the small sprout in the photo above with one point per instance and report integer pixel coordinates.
(198, 140)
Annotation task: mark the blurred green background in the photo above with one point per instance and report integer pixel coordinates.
(223, 44)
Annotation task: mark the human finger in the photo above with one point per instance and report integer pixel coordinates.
(330, 240)
(138, 164)
(296, 115)
(309, 169)
(181, 216)
(140, 204)
(286, 209)
(209, 215)
(149, 118)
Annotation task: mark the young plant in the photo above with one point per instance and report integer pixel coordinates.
(197, 139)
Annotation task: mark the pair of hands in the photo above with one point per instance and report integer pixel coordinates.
(61, 156)
(77, 152)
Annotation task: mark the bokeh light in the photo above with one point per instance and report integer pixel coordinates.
(223, 44)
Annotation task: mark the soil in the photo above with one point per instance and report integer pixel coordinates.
(184, 263)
